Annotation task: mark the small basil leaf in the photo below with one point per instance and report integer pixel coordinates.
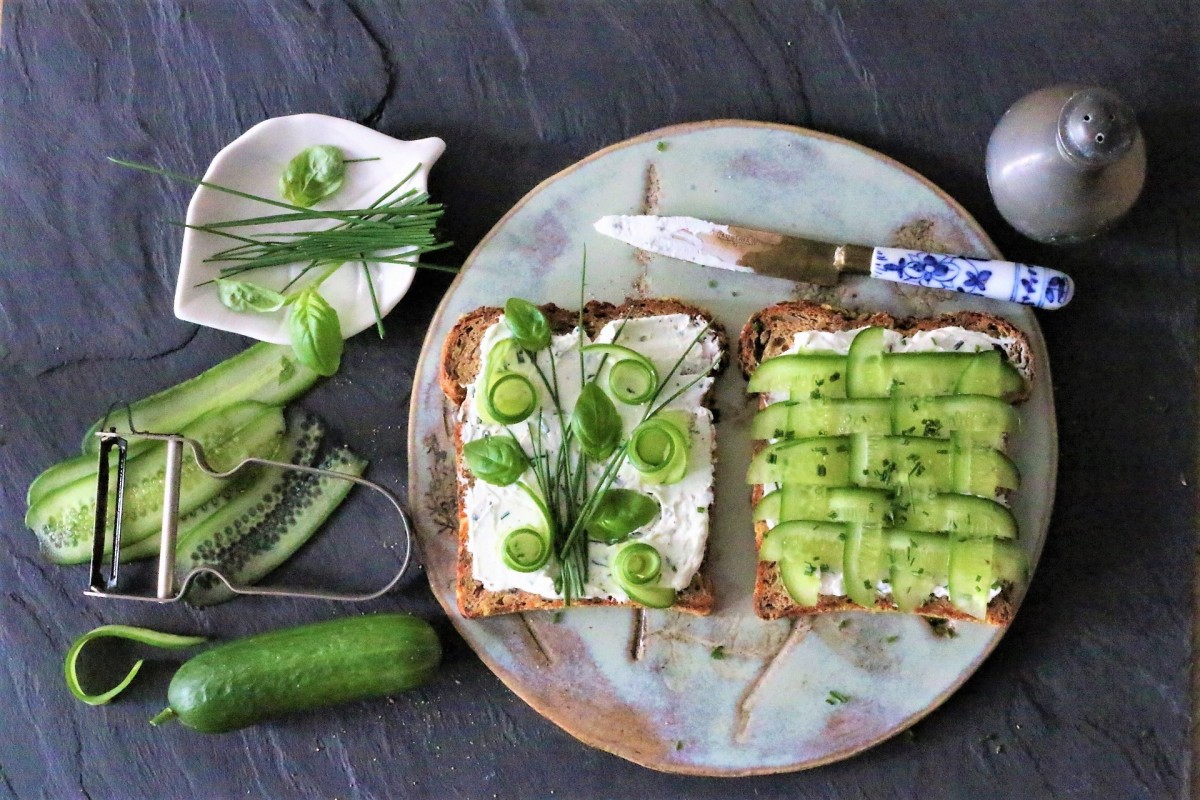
(316, 333)
(528, 324)
(243, 296)
(596, 423)
(314, 174)
(497, 460)
(619, 513)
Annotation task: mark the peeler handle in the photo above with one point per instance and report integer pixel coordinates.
(165, 586)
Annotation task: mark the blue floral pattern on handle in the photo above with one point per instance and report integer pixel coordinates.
(1001, 280)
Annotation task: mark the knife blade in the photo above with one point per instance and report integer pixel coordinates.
(741, 249)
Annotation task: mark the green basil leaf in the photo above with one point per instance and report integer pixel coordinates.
(596, 423)
(243, 296)
(498, 460)
(316, 333)
(528, 324)
(314, 174)
(619, 513)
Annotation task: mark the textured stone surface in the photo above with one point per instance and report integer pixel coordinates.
(1088, 694)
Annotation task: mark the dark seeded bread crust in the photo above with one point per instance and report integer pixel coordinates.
(769, 333)
(459, 366)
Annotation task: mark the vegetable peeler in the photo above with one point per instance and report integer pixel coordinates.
(167, 588)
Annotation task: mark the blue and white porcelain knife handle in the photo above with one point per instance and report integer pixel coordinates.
(1001, 280)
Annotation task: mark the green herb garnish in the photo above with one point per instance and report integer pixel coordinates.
(619, 513)
(395, 229)
(314, 174)
(316, 332)
(836, 698)
(498, 460)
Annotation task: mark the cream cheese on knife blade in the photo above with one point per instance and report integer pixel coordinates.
(669, 236)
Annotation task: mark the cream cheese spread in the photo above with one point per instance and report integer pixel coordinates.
(680, 531)
(936, 340)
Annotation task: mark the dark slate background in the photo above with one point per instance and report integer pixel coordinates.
(1088, 696)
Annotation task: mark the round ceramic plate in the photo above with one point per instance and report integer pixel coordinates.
(728, 694)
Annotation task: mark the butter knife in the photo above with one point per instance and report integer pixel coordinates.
(741, 249)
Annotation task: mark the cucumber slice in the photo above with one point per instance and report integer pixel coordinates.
(820, 461)
(73, 469)
(866, 367)
(799, 419)
(960, 515)
(988, 373)
(859, 505)
(794, 501)
(251, 494)
(864, 562)
(266, 373)
(987, 419)
(971, 574)
(247, 554)
(1010, 563)
(919, 561)
(64, 519)
(803, 376)
(804, 550)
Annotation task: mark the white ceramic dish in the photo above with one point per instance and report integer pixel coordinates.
(253, 163)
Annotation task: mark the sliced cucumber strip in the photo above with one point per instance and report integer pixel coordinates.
(866, 372)
(801, 419)
(821, 460)
(250, 496)
(64, 519)
(863, 562)
(804, 550)
(803, 376)
(265, 373)
(919, 561)
(971, 574)
(246, 556)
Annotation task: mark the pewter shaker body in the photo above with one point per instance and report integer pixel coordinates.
(1066, 162)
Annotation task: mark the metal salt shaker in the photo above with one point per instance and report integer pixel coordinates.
(1066, 162)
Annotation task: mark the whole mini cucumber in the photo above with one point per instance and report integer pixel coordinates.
(297, 669)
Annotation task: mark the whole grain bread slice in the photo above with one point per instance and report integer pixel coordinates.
(770, 333)
(459, 367)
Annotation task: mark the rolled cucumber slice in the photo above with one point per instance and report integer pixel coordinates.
(63, 520)
(265, 373)
(245, 553)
